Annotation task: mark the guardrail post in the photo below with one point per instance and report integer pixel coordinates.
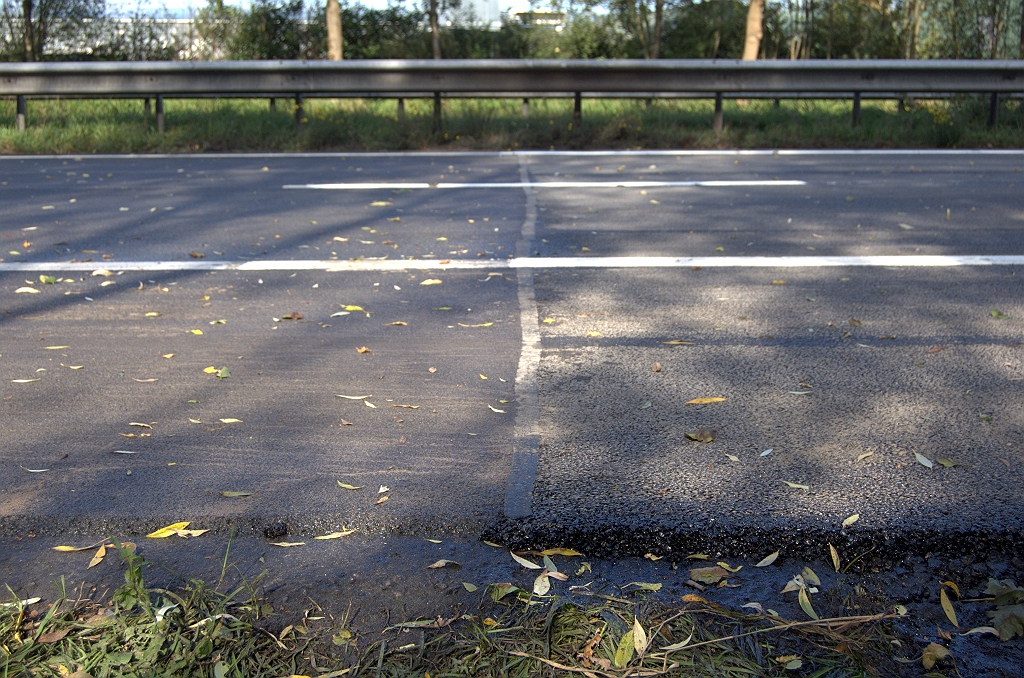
(437, 111)
(273, 104)
(856, 109)
(298, 112)
(993, 109)
(718, 114)
(21, 112)
(577, 109)
(147, 107)
(526, 108)
(159, 113)
(401, 109)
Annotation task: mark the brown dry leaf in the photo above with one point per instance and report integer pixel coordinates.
(335, 535)
(288, 544)
(932, 655)
(709, 575)
(656, 367)
(398, 323)
(346, 423)
(443, 563)
(935, 349)
(704, 401)
(431, 369)
(53, 636)
(779, 282)
(702, 435)
(294, 315)
(363, 349)
(98, 557)
(855, 323)
(678, 342)
(835, 556)
(381, 500)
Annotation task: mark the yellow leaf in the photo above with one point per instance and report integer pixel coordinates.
(953, 587)
(98, 558)
(805, 603)
(171, 529)
(933, 654)
(796, 486)
(153, 314)
(704, 401)
(26, 290)
(231, 420)
(678, 342)
(231, 493)
(726, 565)
(947, 607)
(768, 560)
(851, 520)
(23, 381)
(835, 556)
(560, 552)
(56, 348)
(196, 332)
(431, 281)
(335, 535)
(210, 370)
(346, 486)
(379, 203)
(639, 637)
(167, 355)
(594, 333)
(288, 544)
(353, 308)
(72, 549)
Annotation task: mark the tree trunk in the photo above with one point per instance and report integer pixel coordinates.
(1021, 48)
(755, 31)
(659, 10)
(435, 32)
(334, 39)
(29, 42)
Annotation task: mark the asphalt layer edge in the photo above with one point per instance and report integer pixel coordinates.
(526, 437)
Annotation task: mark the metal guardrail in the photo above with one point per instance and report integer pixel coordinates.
(493, 77)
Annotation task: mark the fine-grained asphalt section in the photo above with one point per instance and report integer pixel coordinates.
(887, 393)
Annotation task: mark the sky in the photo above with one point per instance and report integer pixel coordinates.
(179, 8)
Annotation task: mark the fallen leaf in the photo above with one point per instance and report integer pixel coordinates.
(594, 333)
(54, 348)
(624, 651)
(139, 424)
(288, 544)
(702, 435)
(855, 323)
(935, 349)
(102, 272)
(53, 636)
(981, 629)
(524, 562)
(779, 282)
(682, 644)
(153, 314)
(560, 552)
(805, 603)
(768, 560)
(704, 401)
(495, 409)
(363, 349)
(399, 323)
(146, 381)
(480, 325)
(639, 637)
(346, 423)
(381, 500)
(168, 531)
(23, 381)
(231, 420)
(231, 493)
(862, 457)
(294, 315)
(797, 486)
(347, 397)
(678, 342)
(26, 290)
(541, 585)
(767, 452)
(656, 367)
(499, 591)
(923, 460)
(101, 552)
(167, 355)
(431, 281)
(731, 457)
(835, 556)
(369, 404)
(36, 470)
(196, 332)
(709, 575)
(405, 406)
(653, 558)
(335, 535)
(906, 227)
(379, 203)
(947, 607)
(432, 369)
(729, 567)
(469, 587)
(998, 315)
(73, 549)
(932, 655)
(947, 462)
(443, 563)
(125, 452)
(851, 520)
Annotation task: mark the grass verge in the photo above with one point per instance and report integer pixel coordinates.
(200, 630)
(226, 125)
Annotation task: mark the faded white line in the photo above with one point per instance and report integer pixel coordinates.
(526, 434)
(538, 184)
(912, 261)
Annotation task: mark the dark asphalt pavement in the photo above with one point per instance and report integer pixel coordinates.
(821, 364)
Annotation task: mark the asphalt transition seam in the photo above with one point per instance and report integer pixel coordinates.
(526, 436)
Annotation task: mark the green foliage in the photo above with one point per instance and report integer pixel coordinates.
(270, 30)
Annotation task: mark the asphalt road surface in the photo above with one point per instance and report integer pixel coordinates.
(519, 358)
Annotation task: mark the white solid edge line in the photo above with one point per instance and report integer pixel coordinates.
(538, 153)
(541, 184)
(915, 261)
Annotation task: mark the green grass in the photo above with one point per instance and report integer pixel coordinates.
(200, 630)
(225, 125)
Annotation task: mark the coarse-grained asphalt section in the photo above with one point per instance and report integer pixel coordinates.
(844, 372)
